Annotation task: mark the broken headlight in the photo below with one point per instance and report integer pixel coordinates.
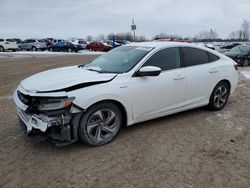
(47, 104)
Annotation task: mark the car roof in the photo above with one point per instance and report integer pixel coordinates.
(161, 44)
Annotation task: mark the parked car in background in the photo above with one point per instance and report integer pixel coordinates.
(33, 45)
(240, 54)
(49, 41)
(122, 42)
(210, 46)
(207, 45)
(81, 42)
(128, 85)
(229, 46)
(8, 44)
(57, 40)
(226, 47)
(18, 41)
(114, 44)
(99, 46)
(63, 46)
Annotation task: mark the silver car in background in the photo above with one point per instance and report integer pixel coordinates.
(33, 44)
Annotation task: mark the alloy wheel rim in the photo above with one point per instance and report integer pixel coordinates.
(220, 96)
(102, 125)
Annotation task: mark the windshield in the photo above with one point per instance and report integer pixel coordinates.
(243, 49)
(119, 60)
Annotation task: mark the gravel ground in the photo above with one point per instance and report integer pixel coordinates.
(197, 148)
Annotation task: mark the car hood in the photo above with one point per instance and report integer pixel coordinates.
(234, 54)
(64, 79)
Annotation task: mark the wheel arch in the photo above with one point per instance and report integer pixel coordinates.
(119, 104)
(222, 80)
(227, 82)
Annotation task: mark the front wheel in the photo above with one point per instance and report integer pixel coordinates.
(100, 124)
(219, 96)
(2, 49)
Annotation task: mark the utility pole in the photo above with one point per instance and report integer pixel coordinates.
(133, 27)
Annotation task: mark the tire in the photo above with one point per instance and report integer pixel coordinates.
(33, 48)
(69, 50)
(14, 50)
(219, 96)
(100, 124)
(51, 49)
(245, 62)
(2, 49)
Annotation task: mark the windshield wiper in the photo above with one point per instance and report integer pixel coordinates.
(92, 68)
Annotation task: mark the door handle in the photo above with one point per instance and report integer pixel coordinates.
(179, 77)
(213, 71)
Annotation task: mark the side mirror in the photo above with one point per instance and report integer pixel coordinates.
(148, 71)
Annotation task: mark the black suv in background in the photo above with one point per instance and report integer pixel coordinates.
(240, 54)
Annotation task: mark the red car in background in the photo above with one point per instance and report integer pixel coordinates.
(99, 46)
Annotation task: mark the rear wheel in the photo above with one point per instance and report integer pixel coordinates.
(245, 62)
(100, 124)
(51, 49)
(69, 50)
(2, 49)
(219, 96)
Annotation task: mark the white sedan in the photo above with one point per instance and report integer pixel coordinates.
(130, 84)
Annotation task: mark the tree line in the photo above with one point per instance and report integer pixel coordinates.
(243, 34)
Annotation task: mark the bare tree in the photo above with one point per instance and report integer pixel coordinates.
(110, 36)
(233, 35)
(166, 36)
(213, 34)
(101, 37)
(245, 30)
(243, 33)
(89, 38)
(207, 35)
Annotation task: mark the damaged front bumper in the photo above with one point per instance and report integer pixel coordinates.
(61, 128)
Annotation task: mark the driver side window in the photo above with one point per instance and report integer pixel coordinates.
(165, 59)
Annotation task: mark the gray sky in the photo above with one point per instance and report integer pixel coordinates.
(79, 18)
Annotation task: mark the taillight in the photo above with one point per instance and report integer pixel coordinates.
(236, 66)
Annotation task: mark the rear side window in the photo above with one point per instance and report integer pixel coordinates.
(1, 40)
(10, 40)
(213, 57)
(166, 59)
(194, 56)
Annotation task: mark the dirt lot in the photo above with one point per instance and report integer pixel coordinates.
(197, 148)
